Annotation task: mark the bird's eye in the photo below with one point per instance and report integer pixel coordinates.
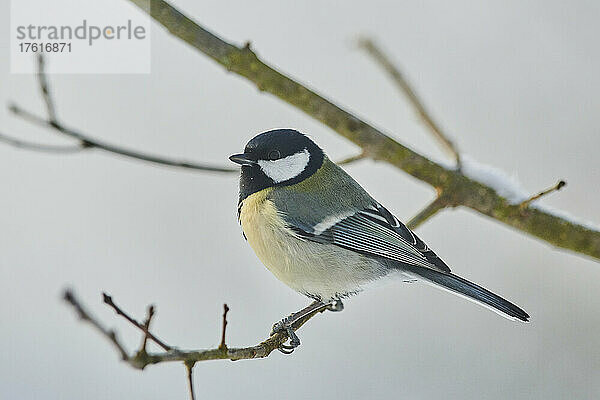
(274, 155)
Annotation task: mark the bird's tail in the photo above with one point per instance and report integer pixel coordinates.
(470, 291)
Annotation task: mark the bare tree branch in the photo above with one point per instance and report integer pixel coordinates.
(465, 191)
(142, 358)
(88, 142)
(398, 78)
(85, 141)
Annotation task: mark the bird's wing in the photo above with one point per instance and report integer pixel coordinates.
(375, 232)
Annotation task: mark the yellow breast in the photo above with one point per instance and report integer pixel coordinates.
(267, 233)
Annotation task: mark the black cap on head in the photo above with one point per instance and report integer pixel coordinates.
(286, 141)
(277, 158)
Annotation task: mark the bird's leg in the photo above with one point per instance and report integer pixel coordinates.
(286, 324)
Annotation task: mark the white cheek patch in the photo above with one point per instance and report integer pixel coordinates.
(285, 168)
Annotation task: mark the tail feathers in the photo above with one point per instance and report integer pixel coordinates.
(471, 291)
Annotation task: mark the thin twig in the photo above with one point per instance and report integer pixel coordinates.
(109, 301)
(70, 298)
(351, 159)
(398, 78)
(543, 193)
(45, 89)
(42, 148)
(429, 211)
(190, 366)
(224, 327)
(149, 315)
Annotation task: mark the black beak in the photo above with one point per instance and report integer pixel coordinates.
(242, 159)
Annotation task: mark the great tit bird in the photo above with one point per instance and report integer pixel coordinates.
(319, 232)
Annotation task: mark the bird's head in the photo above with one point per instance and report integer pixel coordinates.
(278, 157)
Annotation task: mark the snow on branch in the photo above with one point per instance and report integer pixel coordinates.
(456, 187)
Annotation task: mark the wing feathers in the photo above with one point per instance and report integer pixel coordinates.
(376, 232)
(360, 232)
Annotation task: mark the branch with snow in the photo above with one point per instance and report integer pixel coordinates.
(458, 188)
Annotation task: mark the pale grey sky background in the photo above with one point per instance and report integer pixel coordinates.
(515, 84)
